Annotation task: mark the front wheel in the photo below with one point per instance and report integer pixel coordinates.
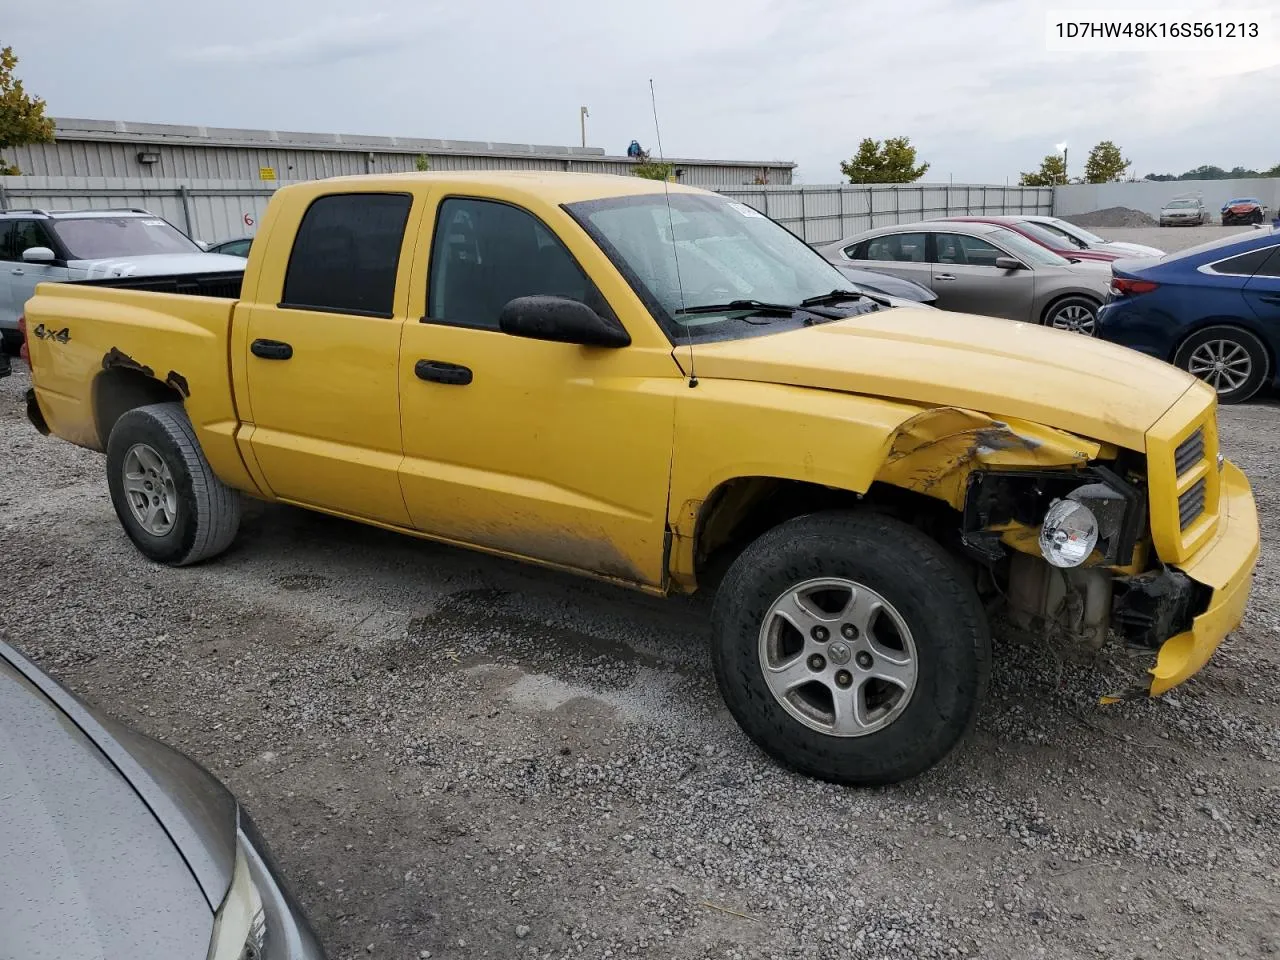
(850, 647)
(1075, 314)
(1230, 359)
(170, 503)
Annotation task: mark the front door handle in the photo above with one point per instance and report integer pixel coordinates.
(437, 371)
(18, 271)
(945, 276)
(271, 349)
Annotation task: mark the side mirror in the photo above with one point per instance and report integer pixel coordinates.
(562, 320)
(38, 255)
(203, 245)
(1008, 263)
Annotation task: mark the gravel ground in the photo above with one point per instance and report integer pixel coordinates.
(1169, 239)
(456, 756)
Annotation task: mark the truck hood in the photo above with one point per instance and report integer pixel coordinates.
(1001, 368)
(158, 265)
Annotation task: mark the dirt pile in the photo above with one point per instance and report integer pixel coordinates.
(1113, 217)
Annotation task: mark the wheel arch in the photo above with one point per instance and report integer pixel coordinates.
(1235, 322)
(1057, 298)
(122, 387)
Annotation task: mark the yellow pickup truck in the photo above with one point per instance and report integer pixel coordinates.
(659, 387)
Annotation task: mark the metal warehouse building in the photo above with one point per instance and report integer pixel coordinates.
(105, 148)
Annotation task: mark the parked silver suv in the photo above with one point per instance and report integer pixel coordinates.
(38, 246)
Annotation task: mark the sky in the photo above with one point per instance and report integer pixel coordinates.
(971, 82)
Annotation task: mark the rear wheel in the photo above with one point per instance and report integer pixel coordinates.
(1077, 314)
(1231, 360)
(850, 647)
(170, 503)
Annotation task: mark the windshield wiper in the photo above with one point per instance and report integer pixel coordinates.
(835, 296)
(754, 306)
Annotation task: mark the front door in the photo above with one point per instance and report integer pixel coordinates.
(548, 451)
(1263, 291)
(966, 279)
(321, 356)
(898, 254)
(19, 276)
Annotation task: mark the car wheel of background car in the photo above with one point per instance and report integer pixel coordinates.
(850, 647)
(1077, 314)
(1230, 359)
(164, 491)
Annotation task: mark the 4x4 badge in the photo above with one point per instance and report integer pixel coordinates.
(44, 333)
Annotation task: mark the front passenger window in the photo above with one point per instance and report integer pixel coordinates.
(485, 254)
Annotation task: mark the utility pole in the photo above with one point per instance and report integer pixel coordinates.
(582, 118)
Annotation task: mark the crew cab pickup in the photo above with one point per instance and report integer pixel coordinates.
(659, 387)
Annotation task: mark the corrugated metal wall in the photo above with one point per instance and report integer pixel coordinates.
(215, 209)
(1149, 196)
(87, 158)
(821, 214)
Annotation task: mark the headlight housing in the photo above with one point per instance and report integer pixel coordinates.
(240, 927)
(1069, 533)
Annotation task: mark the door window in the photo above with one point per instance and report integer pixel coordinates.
(898, 247)
(961, 250)
(28, 234)
(486, 254)
(346, 254)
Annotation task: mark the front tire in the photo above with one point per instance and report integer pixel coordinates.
(1077, 314)
(850, 647)
(170, 503)
(1230, 359)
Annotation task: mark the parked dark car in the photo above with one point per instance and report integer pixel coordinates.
(1243, 210)
(116, 845)
(1214, 310)
(888, 286)
(238, 247)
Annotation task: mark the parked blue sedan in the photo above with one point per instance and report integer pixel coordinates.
(1213, 310)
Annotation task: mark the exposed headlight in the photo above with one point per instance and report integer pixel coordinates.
(240, 928)
(1069, 533)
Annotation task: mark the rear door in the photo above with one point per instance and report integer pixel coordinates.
(966, 279)
(1262, 292)
(898, 254)
(21, 277)
(323, 341)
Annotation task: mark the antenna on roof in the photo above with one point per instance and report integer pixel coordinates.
(671, 225)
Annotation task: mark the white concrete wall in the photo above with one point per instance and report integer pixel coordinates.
(1149, 197)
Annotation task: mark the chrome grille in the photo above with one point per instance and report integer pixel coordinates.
(1191, 503)
(1190, 452)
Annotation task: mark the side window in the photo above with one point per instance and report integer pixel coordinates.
(28, 234)
(7, 251)
(858, 251)
(956, 248)
(1245, 265)
(486, 254)
(901, 247)
(346, 253)
(1272, 267)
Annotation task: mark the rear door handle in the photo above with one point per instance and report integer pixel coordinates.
(945, 276)
(271, 349)
(1270, 299)
(18, 271)
(437, 371)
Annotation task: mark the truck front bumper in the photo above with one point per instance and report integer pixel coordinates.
(1224, 565)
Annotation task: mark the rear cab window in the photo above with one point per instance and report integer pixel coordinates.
(346, 254)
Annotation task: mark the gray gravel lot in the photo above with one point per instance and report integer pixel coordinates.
(456, 756)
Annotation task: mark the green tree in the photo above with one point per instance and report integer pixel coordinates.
(422, 163)
(1052, 173)
(653, 170)
(1105, 163)
(22, 119)
(894, 161)
(1273, 172)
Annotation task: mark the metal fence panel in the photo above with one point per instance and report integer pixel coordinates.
(214, 209)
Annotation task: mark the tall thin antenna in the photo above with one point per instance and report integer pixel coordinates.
(671, 225)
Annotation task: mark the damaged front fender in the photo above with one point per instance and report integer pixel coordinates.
(935, 451)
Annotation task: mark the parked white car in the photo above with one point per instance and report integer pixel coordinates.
(39, 246)
(1082, 238)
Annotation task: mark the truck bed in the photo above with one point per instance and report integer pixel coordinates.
(224, 285)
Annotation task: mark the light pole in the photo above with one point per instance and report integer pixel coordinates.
(1062, 149)
(582, 118)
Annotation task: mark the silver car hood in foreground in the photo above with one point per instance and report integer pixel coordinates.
(86, 870)
(157, 265)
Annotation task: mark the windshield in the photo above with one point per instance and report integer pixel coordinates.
(1071, 230)
(1038, 231)
(1243, 200)
(105, 238)
(1026, 250)
(723, 251)
(1180, 203)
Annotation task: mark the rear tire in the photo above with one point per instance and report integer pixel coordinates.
(926, 634)
(170, 503)
(1077, 314)
(1230, 359)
